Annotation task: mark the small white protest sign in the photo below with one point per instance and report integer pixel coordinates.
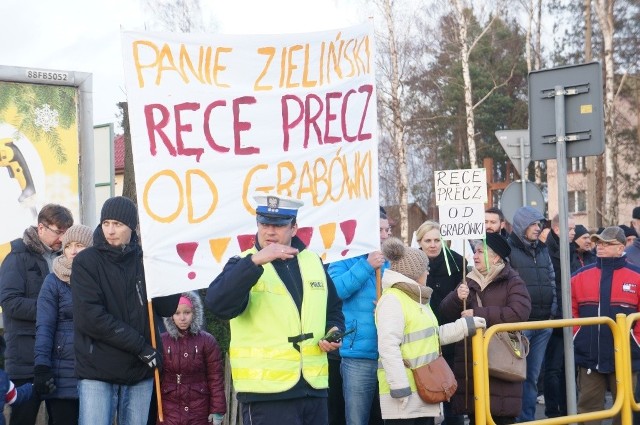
(462, 221)
(467, 186)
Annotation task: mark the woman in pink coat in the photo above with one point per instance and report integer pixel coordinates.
(193, 374)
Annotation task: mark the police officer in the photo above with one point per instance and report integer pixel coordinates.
(281, 303)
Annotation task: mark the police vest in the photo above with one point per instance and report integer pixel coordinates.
(271, 342)
(420, 343)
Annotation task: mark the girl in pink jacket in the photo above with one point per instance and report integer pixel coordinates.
(193, 374)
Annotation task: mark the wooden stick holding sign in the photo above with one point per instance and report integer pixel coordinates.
(464, 307)
(152, 327)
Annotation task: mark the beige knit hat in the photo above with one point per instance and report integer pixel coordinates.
(410, 262)
(78, 233)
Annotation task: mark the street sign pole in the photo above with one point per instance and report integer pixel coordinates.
(579, 119)
(561, 155)
(523, 168)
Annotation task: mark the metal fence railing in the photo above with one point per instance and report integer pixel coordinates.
(624, 403)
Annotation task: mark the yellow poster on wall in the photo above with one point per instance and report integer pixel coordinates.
(39, 147)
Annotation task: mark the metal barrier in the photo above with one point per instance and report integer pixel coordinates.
(624, 402)
(629, 384)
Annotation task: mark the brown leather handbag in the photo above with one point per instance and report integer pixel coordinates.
(435, 381)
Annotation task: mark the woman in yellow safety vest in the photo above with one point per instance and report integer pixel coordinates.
(408, 333)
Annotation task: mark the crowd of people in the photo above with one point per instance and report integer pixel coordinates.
(310, 343)
(78, 331)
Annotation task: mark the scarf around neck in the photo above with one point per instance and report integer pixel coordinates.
(62, 268)
(485, 279)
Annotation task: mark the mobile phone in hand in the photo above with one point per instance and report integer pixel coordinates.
(337, 335)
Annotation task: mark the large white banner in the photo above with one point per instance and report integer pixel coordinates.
(216, 119)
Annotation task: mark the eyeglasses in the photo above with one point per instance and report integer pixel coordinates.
(56, 231)
(605, 243)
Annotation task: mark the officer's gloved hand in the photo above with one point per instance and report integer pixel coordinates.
(44, 381)
(149, 356)
(215, 418)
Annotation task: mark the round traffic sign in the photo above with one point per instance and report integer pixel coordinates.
(511, 199)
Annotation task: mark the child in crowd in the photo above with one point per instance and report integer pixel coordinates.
(12, 394)
(192, 376)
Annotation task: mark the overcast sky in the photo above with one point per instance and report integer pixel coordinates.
(81, 35)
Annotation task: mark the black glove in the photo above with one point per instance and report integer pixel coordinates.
(149, 356)
(44, 381)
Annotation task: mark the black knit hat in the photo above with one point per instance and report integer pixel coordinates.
(636, 213)
(120, 209)
(628, 231)
(498, 244)
(580, 230)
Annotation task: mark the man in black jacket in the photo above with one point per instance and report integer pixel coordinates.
(582, 251)
(21, 277)
(530, 258)
(115, 361)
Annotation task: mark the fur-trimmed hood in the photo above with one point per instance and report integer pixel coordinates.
(198, 317)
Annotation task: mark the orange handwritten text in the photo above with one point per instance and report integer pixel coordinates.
(313, 65)
(184, 192)
(203, 64)
(323, 178)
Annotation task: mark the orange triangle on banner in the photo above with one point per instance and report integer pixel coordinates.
(218, 247)
(328, 233)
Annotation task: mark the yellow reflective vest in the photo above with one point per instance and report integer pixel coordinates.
(265, 358)
(420, 344)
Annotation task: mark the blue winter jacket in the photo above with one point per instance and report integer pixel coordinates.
(54, 336)
(355, 282)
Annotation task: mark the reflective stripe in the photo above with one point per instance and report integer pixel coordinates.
(254, 374)
(259, 352)
(311, 350)
(418, 335)
(418, 361)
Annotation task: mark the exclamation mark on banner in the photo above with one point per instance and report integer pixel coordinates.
(305, 234)
(328, 233)
(348, 228)
(246, 241)
(186, 251)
